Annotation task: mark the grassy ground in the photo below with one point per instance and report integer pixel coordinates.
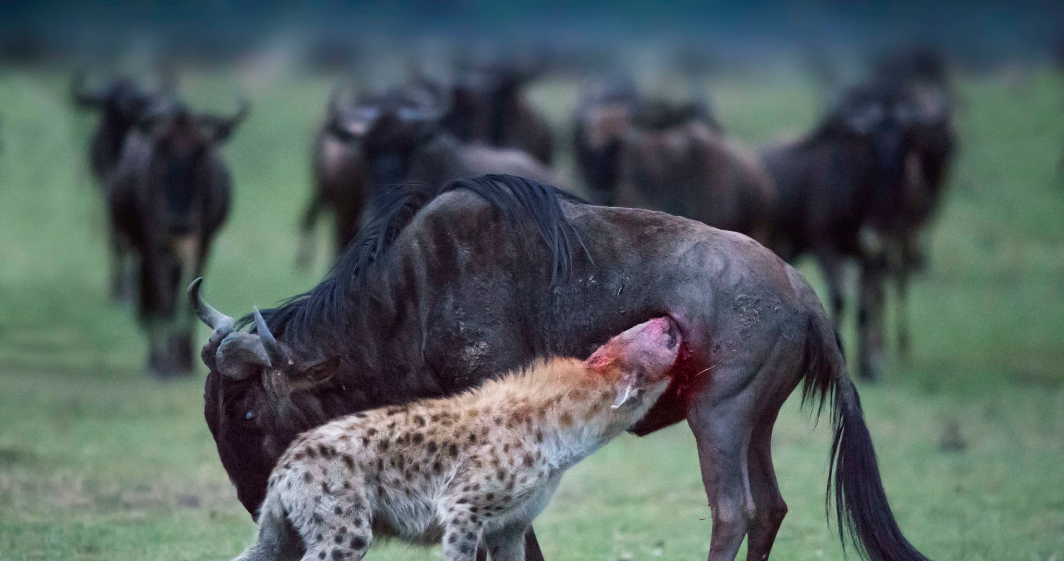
(99, 462)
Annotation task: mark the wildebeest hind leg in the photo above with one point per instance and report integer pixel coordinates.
(769, 506)
(722, 431)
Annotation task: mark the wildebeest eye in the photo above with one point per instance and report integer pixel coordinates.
(249, 415)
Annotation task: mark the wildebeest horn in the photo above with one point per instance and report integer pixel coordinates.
(238, 353)
(224, 126)
(213, 318)
(276, 354)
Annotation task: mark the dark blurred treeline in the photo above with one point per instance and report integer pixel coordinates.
(336, 35)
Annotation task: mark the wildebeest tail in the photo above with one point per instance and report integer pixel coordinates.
(861, 505)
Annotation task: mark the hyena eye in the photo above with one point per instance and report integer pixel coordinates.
(249, 415)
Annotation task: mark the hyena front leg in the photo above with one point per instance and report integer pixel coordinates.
(462, 529)
(333, 516)
(507, 543)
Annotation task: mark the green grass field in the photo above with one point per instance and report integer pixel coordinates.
(97, 461)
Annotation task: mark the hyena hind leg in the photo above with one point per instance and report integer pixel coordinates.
(277, 541)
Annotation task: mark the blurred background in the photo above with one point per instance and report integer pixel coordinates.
(103, 449)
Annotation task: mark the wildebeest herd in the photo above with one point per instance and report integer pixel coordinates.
(461, 256)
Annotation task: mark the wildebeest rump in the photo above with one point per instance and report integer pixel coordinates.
(168, 195)
(842, 193)
(451, 287)
(119, 103)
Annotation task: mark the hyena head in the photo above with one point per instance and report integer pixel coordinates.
(640, 360)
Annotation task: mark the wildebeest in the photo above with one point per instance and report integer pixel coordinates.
(843, 193)
(168, 195)
(489, 107)
(119, 103)
(340, 181)
(673, 158)
(454, 285)
(408, 143)
(924, 74)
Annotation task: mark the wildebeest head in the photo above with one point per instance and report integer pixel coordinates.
(881, 114)
(255, 400)
(390, 142)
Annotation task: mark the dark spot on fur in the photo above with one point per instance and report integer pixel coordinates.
(337, 510)
(319, 537)
(452, 538)
(321, 554)
(431, 447)
(437, 468)
(466, 549)
(337, 554)
(501, 475)
(470, 536)
(529, 460)
(371, 431)
(419, 420)
(325, 488)
(453, 450)
(383, 445)
(360, 415)
(539, 436)
(566, 419)
(338, 539)
(358, 542)
(349, 461)
(476, 486)
(472, 438)
(307, 477)
(316, 518)
(325, 451)
(418, 438)
(489, 496)
(311, 453)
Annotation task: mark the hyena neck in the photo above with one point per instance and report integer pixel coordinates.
(579, 419)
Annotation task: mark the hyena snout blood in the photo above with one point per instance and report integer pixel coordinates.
(649, 350)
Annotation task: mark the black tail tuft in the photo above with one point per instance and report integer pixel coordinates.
(861, 505)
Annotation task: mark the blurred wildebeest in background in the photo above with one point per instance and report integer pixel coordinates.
(409, 143)
(602, 116)
(454, 285)
(168, 195)
(340, 181)
(923, 73)
(671, 157)
(489, 107)
(843, 192)
(119, 102)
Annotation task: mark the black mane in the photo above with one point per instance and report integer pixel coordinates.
(518, 199)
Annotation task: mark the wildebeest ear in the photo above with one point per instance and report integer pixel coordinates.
(314, 374)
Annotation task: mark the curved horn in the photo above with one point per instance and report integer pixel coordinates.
(276, 354)
(239, 354)
(213, 318)
(224, 126)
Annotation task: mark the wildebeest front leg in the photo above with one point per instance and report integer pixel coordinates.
(722, 431)
(831, 263)
(307, 247)
(870, 315)
(908, 264)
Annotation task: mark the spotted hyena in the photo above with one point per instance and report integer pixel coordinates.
(470, 470)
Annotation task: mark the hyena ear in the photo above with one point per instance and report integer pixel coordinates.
(314, 374)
